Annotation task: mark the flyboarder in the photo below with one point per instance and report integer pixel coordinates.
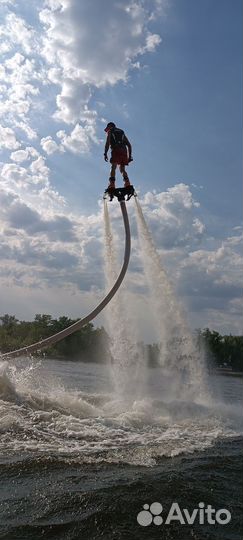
(119, 144)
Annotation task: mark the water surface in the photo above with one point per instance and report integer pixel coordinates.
(79, 460)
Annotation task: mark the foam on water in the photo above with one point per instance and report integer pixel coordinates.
(42, 415)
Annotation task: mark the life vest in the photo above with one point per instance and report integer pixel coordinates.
(117, 138)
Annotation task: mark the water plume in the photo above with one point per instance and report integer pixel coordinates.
(126, 355)
(178, 355)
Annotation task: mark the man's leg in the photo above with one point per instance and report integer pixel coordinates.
(112, 178)
(125, 176)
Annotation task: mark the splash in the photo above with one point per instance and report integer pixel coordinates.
(178, 355)
(58, 412)
(7, 389)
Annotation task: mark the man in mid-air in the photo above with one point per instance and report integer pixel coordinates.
(119, 144)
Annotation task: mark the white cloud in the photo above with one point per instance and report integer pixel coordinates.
(39, 168)
(28, 130)
(89, 44)
(31, 182)
(8, 139)
(5, 47)
(211, 281)
(198, 226)
(19, 73)
(19, 155)
(171, 215)
(72, 100)
(219, 267)
(49, 145)
(152, 41)
(79, 139)
(39, 246)
(83, 47)
(7, 2)
(18, 32)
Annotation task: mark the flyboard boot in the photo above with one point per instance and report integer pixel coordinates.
(111, 183)
(126, 182)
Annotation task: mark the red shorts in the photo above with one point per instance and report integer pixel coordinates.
(119, 156)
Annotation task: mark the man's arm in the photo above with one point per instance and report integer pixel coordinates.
(129, 146)
(107, 145)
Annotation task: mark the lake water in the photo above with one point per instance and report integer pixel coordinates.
(80, 461)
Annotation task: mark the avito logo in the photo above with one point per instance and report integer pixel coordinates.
(151, 514)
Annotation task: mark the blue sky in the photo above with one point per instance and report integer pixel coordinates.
(169, 73)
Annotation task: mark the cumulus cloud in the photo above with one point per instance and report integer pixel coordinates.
(31, 180)
(172, 217)
(83, 46)
(71, 101)
(214, 273)
(96, 44)
(89, 45)
(20, 76)
(21, 216)
(19, 32)
(26, 128)
(24, 154)
(37, 251)
(210, 282)
(49, 145)
(19, 156)
(8, 138)
(79, 139)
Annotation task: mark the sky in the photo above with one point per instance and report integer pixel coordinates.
(168, 72)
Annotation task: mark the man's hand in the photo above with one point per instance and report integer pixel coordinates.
(130, 159)
(105, 157)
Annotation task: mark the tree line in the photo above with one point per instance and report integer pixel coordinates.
(222, 350)
(92, 344)
(88, 343)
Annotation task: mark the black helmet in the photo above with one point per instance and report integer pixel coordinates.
(109, 126)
